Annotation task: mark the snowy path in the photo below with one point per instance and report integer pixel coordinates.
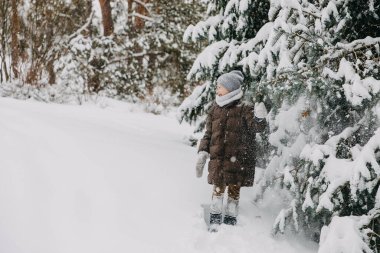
(85, 179)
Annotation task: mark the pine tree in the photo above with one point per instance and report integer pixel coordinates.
(229, 25)
(317, 62)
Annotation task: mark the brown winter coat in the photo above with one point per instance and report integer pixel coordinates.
(230, 141)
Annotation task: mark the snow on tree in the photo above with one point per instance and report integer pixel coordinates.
(229, 24)
(136, 59)
(317, 62)
(125, 49)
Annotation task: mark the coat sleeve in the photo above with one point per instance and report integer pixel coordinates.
(256, 124)
(205, 141)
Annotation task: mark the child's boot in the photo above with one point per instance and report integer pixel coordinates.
(231, 211)
(216, 209)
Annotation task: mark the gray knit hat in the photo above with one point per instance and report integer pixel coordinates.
(232, 80)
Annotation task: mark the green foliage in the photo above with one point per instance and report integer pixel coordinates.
(314, 64)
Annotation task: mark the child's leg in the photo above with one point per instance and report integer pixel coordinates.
(216, 207)
(234, 191)
(218, 190)
(232, 205)
(217, 199)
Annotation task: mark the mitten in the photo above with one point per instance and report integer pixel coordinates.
(202, 158)
(260, 110)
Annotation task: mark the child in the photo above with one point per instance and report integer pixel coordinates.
(229, 142)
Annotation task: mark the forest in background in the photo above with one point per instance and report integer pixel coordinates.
(67, 51)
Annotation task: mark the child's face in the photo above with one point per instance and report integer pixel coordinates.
(220, 90)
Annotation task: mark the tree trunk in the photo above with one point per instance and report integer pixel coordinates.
(141, 9)
(107, 17)
(4, 10)
(14, 39)
(130, 9)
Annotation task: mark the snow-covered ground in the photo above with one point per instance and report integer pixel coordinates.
(115, 179)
